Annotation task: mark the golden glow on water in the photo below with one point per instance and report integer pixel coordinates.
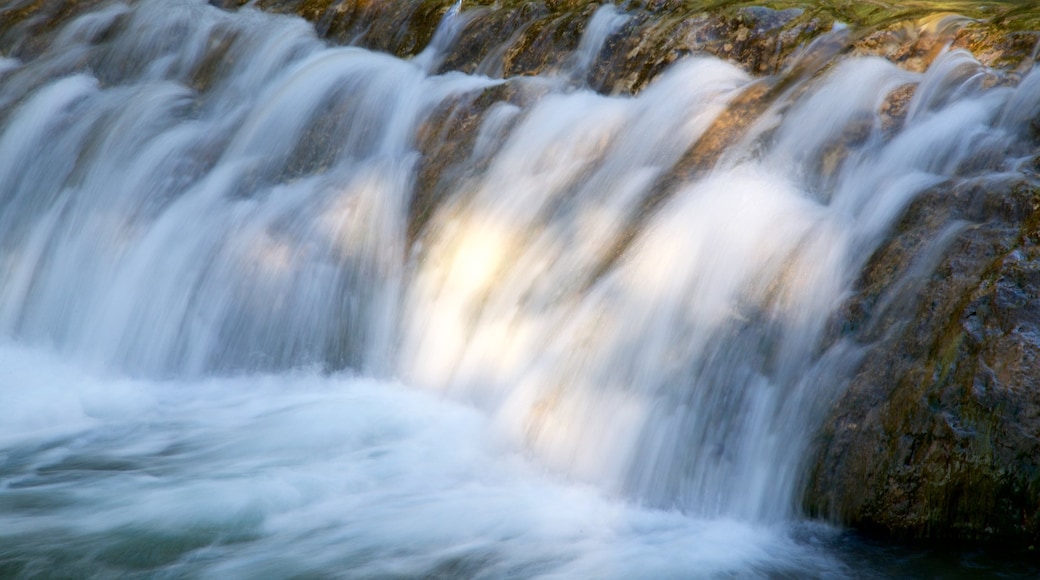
(478, 257)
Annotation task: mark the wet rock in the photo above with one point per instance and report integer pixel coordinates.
(27, 26)
(506, 38)
(227, 4)
(519, 38)
(938, 434)
(447, 140)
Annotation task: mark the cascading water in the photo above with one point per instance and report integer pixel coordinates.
(210, 219)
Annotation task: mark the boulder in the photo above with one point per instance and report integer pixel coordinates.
(937, 436)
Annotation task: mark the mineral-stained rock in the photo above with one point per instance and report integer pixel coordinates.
(26, 26)
(522, 37)
(938, 434)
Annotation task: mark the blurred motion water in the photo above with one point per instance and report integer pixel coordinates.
(228, 350)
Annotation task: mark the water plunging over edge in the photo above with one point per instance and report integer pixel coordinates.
(165, 217)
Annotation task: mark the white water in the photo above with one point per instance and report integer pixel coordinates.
(192, 248)
(298, 472)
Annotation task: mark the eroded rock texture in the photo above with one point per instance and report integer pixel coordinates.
(938, 435)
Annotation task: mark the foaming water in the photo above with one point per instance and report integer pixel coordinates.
(230, 351)
(297, 473)
(685, 376)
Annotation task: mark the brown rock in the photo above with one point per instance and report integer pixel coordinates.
(938, 434)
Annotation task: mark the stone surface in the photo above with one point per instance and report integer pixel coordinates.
(938, 434)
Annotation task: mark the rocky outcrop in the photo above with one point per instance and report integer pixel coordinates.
(27, 26)
(522, 37)
(938, 434)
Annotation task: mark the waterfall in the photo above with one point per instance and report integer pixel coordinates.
(190, 198)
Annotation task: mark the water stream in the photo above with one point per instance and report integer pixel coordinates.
(227, 349)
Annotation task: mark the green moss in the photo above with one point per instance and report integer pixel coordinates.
(949, 354)
(1030, 232)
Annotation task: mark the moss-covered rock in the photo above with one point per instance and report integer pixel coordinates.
(523, 37)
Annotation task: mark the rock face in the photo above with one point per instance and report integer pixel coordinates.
(524, 37)
(938, 435)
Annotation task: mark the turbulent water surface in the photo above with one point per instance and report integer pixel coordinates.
(232, 346)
